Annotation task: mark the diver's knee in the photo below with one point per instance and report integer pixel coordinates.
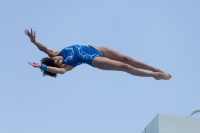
(125, 67)
(127, 59)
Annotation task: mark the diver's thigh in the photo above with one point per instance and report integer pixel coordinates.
(107, 64)
(111, 53)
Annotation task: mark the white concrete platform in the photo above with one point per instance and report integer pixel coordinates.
(165, 123)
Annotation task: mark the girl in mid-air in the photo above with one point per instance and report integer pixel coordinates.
(100, 57)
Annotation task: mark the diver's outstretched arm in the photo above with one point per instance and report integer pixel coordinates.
(49, 68)
(41, 47)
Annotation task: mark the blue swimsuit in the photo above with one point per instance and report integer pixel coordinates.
(78, 54)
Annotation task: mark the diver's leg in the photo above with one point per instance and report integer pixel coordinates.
(115, 55)
(109, 64)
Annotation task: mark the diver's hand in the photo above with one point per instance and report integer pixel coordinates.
(34, 64)
(31, 35)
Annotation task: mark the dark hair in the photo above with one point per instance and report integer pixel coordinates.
(49, 62)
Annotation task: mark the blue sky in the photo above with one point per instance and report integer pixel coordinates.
(164, 34)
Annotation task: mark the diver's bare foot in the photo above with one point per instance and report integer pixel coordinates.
(159, 75)
(158, 70)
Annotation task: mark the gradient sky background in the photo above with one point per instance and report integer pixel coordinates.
(164, 34)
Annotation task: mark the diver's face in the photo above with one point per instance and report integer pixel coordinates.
(58, 60)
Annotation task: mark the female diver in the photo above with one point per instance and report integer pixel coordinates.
(100, 57)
